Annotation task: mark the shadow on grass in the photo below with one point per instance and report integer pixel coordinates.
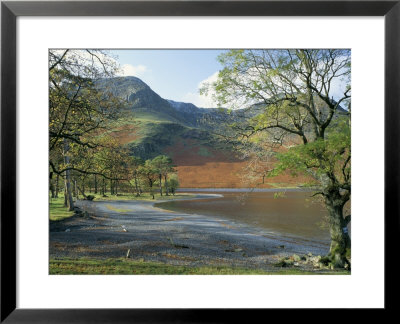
(140, 267)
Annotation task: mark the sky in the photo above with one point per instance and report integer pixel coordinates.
(173, 74)
(179, 74)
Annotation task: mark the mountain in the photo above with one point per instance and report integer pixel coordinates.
(154, 126)
(141, 98)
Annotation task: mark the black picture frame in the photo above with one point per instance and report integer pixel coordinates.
(11, 10)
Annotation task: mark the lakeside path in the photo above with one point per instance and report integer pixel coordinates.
(153, 234)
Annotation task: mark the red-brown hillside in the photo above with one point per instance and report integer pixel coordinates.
(200, 166)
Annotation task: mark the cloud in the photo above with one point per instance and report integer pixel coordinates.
(131, 70)
(202, 101)
(338, 87)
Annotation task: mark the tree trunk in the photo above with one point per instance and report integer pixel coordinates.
(340, 240)
(76, 189)
(95, 183)
(166, 185)
(68, 191)
(151, 187)
(57, 185)
(136, 185)
(53, 194)
(51, 185)
(65, 196)
(82, 191)
(69, 199)
(160, 177)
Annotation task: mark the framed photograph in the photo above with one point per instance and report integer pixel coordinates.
(164, 158)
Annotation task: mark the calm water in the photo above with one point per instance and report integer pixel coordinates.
(295, 214)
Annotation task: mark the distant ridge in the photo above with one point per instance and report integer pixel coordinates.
(187, 134)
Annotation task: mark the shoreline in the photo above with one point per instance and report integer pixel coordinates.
(245, 189)
(157, 235)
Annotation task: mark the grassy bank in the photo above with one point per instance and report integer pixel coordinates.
(57, 210)
(127, 266)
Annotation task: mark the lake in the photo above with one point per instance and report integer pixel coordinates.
(295, 214)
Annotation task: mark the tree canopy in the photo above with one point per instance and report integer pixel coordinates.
(81, 109)
(303, 102)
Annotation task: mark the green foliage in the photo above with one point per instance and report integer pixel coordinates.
(135, 162)
(162, 164)
(83, 109)
(79, 106)
(323, 156)
(293, 88)
(152, 170)
(173, 182)
(150, 174)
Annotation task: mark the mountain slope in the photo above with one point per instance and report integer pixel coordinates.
(155, 126)
(152, 123)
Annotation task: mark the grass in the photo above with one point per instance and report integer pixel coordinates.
(57, 210)
(152, 117)
(126, 266)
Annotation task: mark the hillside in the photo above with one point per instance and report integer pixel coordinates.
(154, 126)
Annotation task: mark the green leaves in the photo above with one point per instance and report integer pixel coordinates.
(293, 87)
(163, 164)
(81, 110)
(322, 156)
